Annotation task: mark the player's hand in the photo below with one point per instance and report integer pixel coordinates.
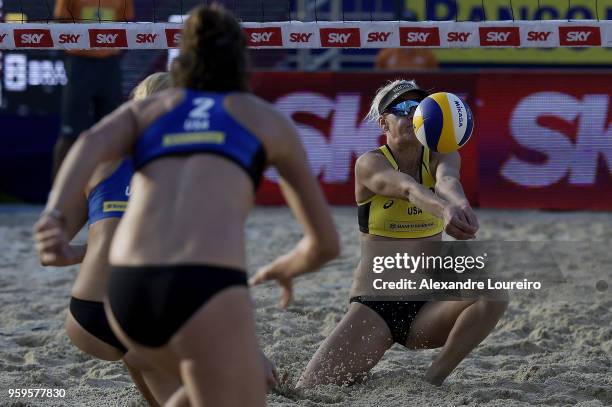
(270, 372)
(52, 243)
(275, 271)
(69, 257)
(470, 216)
(460, 222)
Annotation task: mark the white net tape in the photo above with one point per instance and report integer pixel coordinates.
(322, 34)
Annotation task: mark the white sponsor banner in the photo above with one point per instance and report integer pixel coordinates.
(379, 34)
(147, 36)
(459, 35)
(6, 37)
(322, 34)
(606, 40)
(70, 36)
(539, 34)
(300, 35)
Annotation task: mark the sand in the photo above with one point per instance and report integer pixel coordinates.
(553, 348)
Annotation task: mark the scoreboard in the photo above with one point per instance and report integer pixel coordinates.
(31, 82)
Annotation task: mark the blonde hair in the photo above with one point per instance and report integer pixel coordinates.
(151, 84)
(373, 114)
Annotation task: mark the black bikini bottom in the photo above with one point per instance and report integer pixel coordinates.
(91, 316)
(398, 315)
(151, 303)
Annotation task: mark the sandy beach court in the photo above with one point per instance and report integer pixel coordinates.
(550, 349)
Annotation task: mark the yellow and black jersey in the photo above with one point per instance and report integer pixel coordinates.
(399, 218)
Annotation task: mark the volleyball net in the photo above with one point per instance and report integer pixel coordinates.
(322, 24)
(321, 34)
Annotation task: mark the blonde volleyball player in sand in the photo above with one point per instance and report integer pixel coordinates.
(396, 182)
(178, 294)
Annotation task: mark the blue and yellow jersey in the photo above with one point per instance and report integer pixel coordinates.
(399, 218)
(200, 124)
(110, 197)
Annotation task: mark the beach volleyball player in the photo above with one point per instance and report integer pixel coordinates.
(396, 183)
(177, 292)
(101, 205)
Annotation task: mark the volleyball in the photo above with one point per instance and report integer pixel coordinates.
(443, 122)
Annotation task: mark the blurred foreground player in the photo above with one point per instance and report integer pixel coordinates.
(101, 206)
(178, 293)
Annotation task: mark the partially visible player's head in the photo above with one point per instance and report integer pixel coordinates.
(213, 53)
(393, 107)
(151, 84)
(393, 92)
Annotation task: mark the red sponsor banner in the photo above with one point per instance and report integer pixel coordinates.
(33, 38)
(173, 37)
(329, 108)
(419, 37)
(107, 38)
(264, 37)
(545, 140)
(499, 36)
(541, 140)
(579, 36)
(340, 37)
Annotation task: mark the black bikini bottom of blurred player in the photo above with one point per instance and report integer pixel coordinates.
(91, 316)
(151, 303)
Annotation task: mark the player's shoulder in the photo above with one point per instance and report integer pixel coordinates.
(370, 159)
(163, 100)
(149, 109)
(374, 155)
